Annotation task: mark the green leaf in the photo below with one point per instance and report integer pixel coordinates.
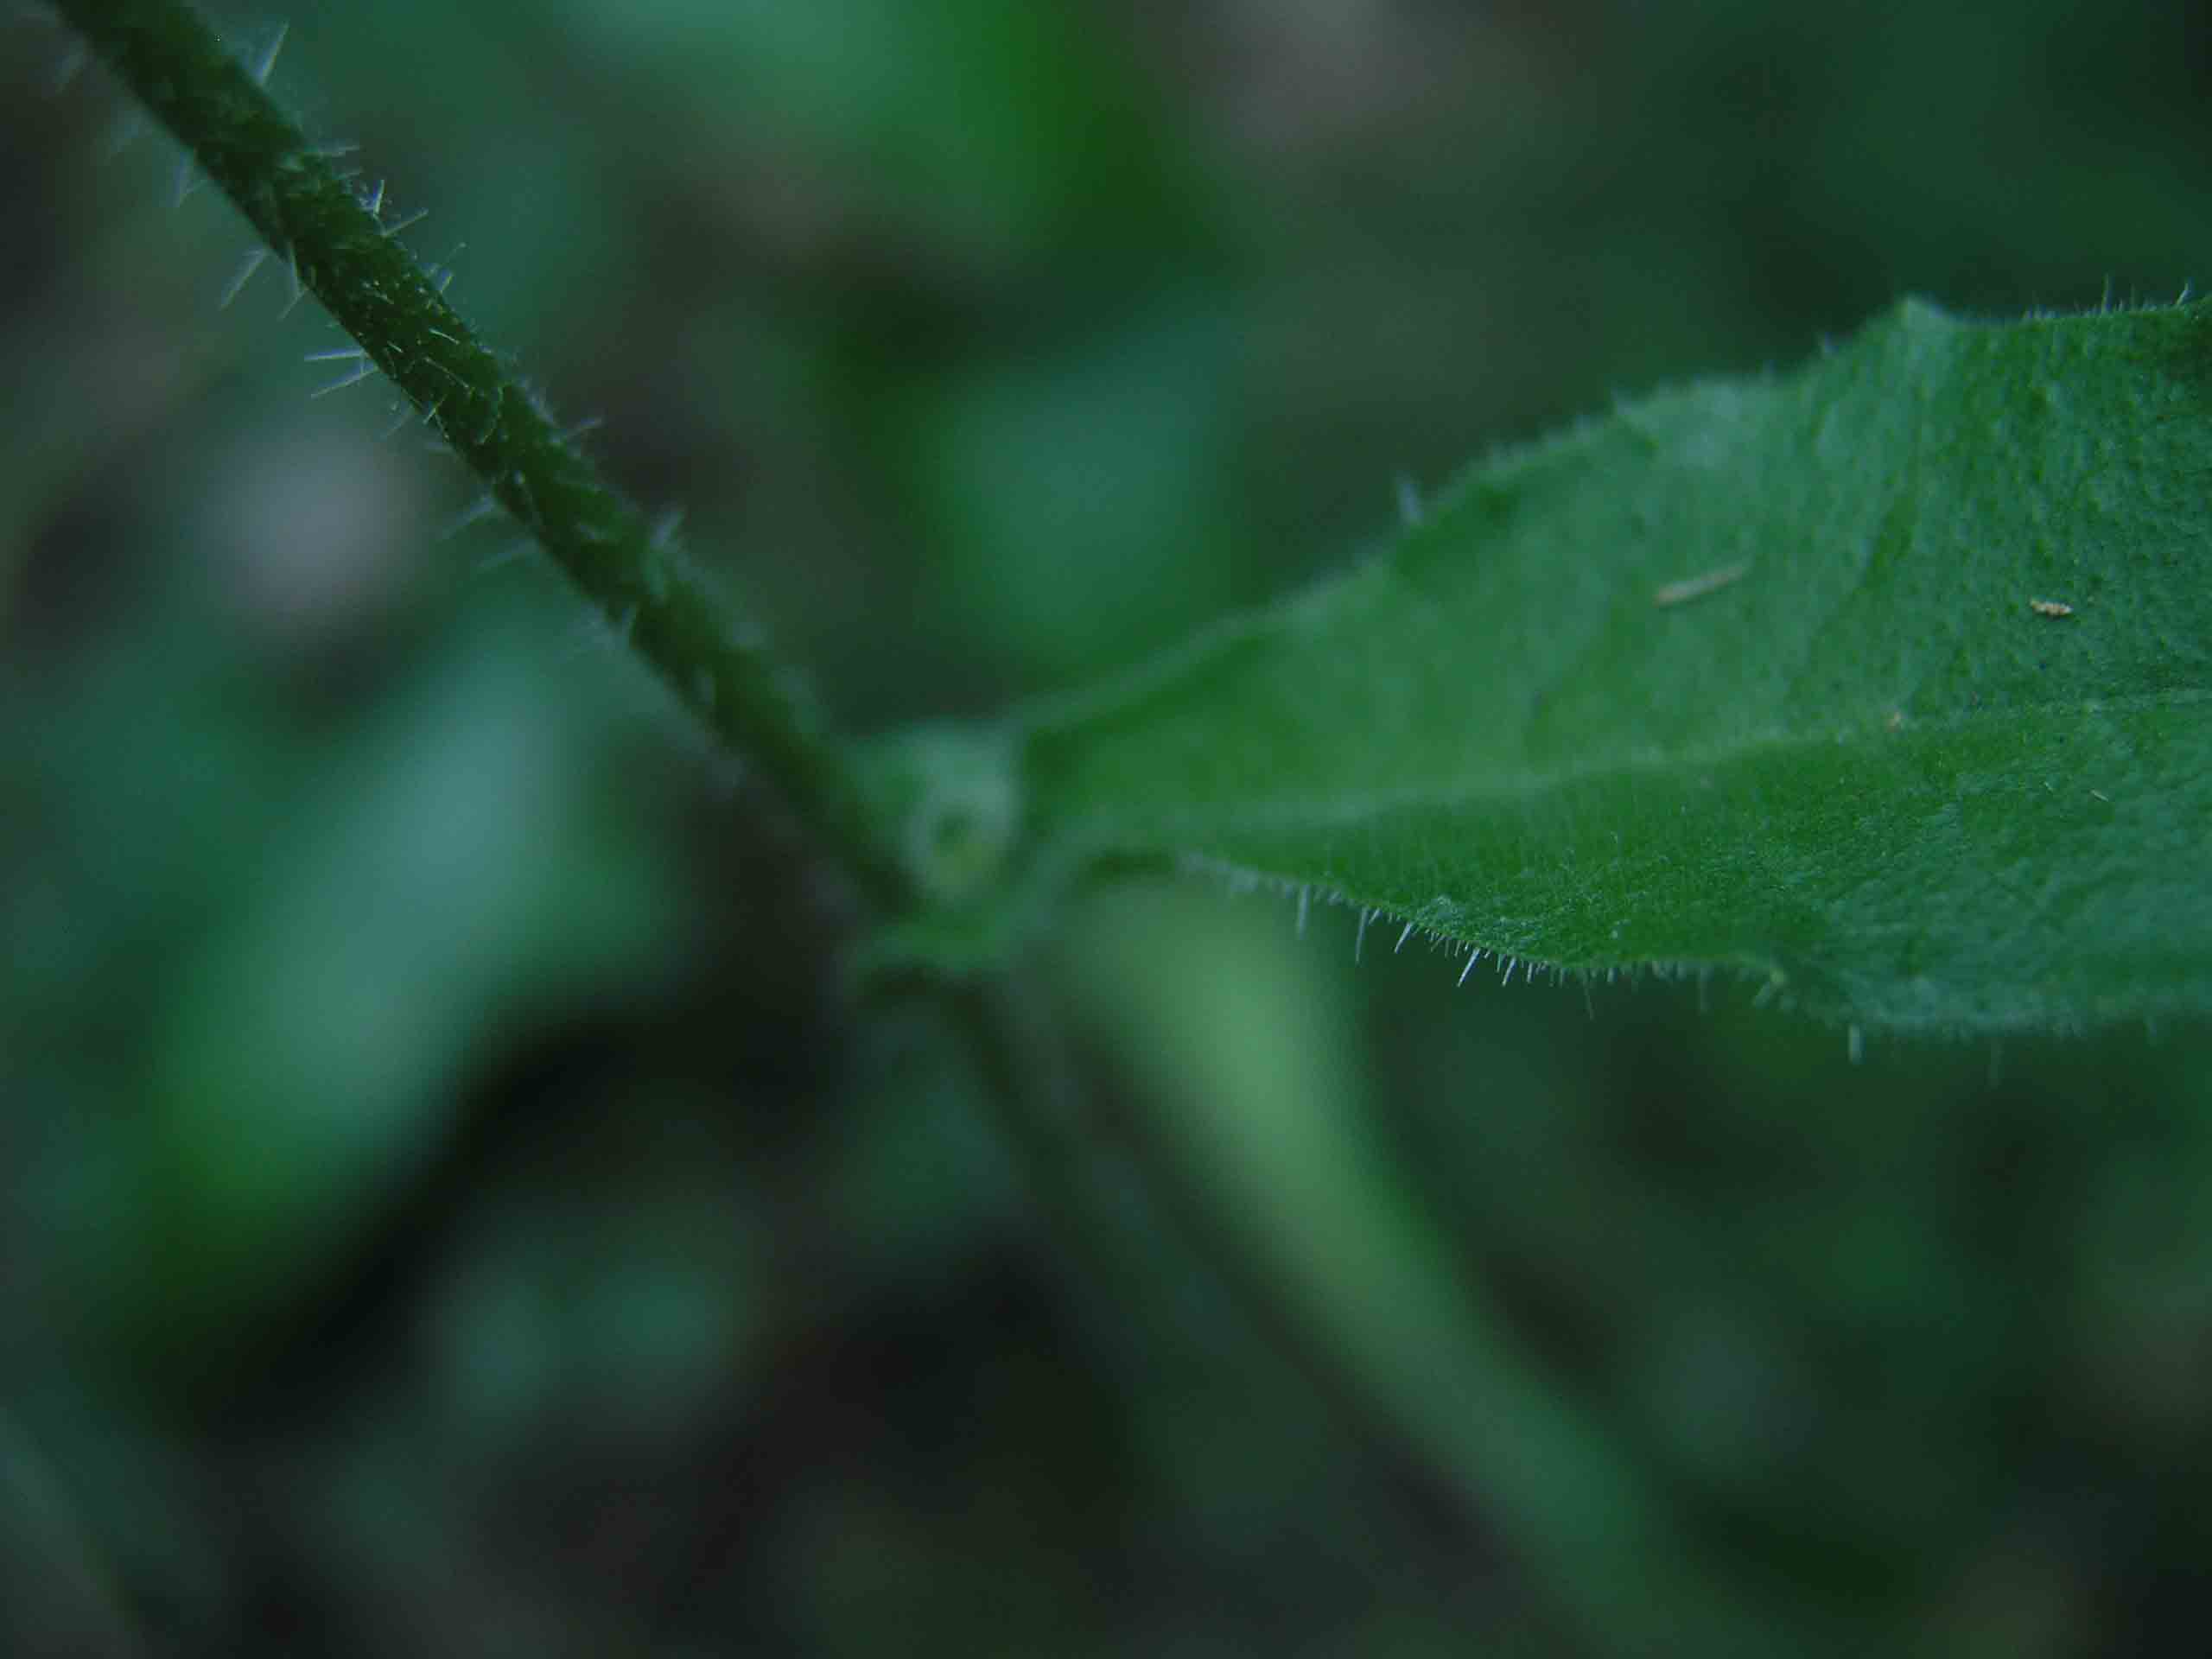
(1749, 675)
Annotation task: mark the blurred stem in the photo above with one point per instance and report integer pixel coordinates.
(339, 249)
(1504, 1452)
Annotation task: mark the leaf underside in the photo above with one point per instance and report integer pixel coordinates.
(1763, 675)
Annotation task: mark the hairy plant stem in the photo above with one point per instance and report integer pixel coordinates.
(339, 249)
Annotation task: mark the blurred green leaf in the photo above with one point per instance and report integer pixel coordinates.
(990, 126)
(1749, 675)
(1112, 457)
(449, 873)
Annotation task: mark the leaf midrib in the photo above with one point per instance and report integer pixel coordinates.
(1089, 826)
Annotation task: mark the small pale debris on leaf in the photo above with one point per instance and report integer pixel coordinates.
(2101, 795)
(1410, 511)
(1681, 593)
(2050, 607)
(1896, 721)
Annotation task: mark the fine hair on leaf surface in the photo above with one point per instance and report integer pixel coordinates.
(1764, 677)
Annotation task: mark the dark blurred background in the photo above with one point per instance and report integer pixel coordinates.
(452, 1205)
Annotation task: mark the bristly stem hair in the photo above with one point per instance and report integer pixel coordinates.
(345, 254)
